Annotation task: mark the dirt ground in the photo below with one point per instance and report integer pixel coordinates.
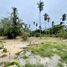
(13, 46)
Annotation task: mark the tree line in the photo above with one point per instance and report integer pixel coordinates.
(12, 26)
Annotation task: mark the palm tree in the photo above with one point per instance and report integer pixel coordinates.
(40, 6)
(36, 24)
(63, 17)
(46, 18)
(52, 26)
(15, 19)
(61, 23)
(52, 23)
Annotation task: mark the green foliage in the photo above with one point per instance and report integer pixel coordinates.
(30, 65)
(49, 49)
(35, 33)
(40, 6)
(11, 26)
(8, 64)
(25, 36)
(25, 57)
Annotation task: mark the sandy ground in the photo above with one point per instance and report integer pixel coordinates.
(15, 45)
(12, 46)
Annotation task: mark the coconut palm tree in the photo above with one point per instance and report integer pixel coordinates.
(52, 26)
(63, 17)
(61, 23)
(52, 23)
(36, 24)
(46, 18)
(40, 6)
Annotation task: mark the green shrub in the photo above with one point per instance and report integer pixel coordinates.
(65, 34)
(37, 34)
(25, 36)
(33, 65)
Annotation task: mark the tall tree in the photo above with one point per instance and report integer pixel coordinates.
(14, 26)
(15, 19)
(40, 6)
(52, 23)
(46, 18)
(52, 26)
(63, 17)
(36, 24)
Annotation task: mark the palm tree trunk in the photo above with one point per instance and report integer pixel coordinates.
(40, 22)
(45, 27)
(49, 29)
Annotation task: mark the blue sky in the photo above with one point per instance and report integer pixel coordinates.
(28, 11)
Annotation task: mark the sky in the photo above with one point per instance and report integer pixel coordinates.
(28, 11)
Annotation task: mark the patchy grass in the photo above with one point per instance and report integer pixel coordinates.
(25, 57)
(49, 49)
(30, 65)
(7, 64)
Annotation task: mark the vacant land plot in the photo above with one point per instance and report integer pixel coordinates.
(53, 49)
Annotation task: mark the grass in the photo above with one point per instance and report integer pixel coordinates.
(49, 49)
(25, 57)
(30, 65)
(7, 64)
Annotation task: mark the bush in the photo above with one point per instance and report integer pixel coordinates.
(62, 34)
(37, 34)
(65, 34)
(25, 36)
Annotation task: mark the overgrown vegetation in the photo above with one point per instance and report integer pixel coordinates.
(30, 65)
(12, 26)
(49, 49)
(7, 64)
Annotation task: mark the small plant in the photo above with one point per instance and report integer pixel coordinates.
(8, 64)
(4, 50)
(33, 65)
(25, 57)
(18, 53)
